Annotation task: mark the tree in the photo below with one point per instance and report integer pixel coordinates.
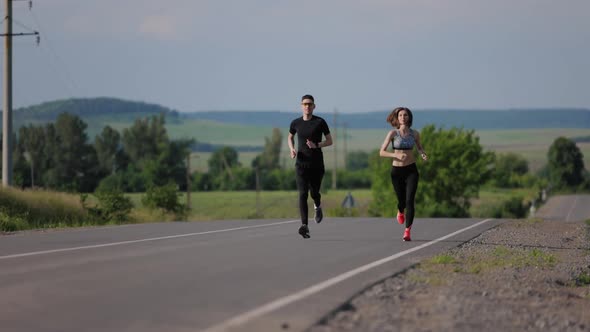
(146, 139)
(50, 151)
(222, 166)
(384, 200)
(454, 172)
(32, 142)
(357, 160)
(74, 160)
(108, 146)
(565, 164)
(223, 160)
(508, 170)
(269, 159)
(169, 166)
(239, 178)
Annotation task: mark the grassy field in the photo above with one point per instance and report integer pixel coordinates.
(45, 209)
(266, 204)
(283, 204)
(532, 144)
(215, 133)
(491, 198)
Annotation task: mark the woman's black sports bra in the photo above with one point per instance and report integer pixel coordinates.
(403, 143)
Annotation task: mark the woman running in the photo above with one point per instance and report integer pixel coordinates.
(404, 173)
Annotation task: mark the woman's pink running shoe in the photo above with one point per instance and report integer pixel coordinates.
(407, 235)
(401, 218)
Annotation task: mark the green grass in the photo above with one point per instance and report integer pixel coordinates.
(491, 198)
(583, 279)
(528, 137)
(510, 257)
(266, 204)
(501, 257)
(443, 259)
(435, 271)
(283, 204)
(220, 133)
(47, 209)
(40, 209)
(212, 132)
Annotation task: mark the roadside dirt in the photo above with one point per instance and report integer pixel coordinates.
(520, 276)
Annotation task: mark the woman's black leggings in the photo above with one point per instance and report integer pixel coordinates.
(308, 180)
(405, 183)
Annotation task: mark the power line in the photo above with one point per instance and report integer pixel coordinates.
(7, 100)
(70, 84)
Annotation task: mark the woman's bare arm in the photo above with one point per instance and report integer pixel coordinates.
(419, 146)
(383, 150)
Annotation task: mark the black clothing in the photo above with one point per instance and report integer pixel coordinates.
(304, 231)
(308, 180)
(405, 183)
(309, 166)
(312, 129)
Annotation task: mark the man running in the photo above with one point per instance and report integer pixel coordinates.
(309, 166)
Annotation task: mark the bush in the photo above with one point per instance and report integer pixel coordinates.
(435, 209)
(514, 208)
(508, 170)
(343, 212)
(511, 207)
(11, 223)
(384, 201)
(112, 182)
(113, 205)
(43, 209)
(354, 179)
(127, 181)
(163, 197)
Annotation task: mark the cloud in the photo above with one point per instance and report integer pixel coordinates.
(160, 27)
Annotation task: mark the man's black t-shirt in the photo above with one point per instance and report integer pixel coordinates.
(312, 129)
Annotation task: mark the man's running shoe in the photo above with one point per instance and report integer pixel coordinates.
(401, 219)
(407, 235)
(304, 231)
(318, 215)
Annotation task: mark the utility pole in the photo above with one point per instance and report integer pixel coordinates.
(344, 144)
(188, 181)
(7, 98)
(258, 189)
(335, 139)
(7, 105)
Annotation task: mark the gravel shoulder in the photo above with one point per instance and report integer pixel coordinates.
(524, 275)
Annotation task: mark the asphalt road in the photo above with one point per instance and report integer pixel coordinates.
(565, 208)
(246, 275)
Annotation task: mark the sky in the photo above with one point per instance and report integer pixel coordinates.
(353, 56)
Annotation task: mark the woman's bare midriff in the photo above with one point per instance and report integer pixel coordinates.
(404, 158)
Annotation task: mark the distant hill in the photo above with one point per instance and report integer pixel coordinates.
(105, 109)
(98, 112)
(491, 119)
(246, 130)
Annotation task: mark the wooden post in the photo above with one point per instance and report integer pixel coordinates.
(7, 114)
(188, 181)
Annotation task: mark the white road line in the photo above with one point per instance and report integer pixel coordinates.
(567, 218)
(284, 301)
(44, 252)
